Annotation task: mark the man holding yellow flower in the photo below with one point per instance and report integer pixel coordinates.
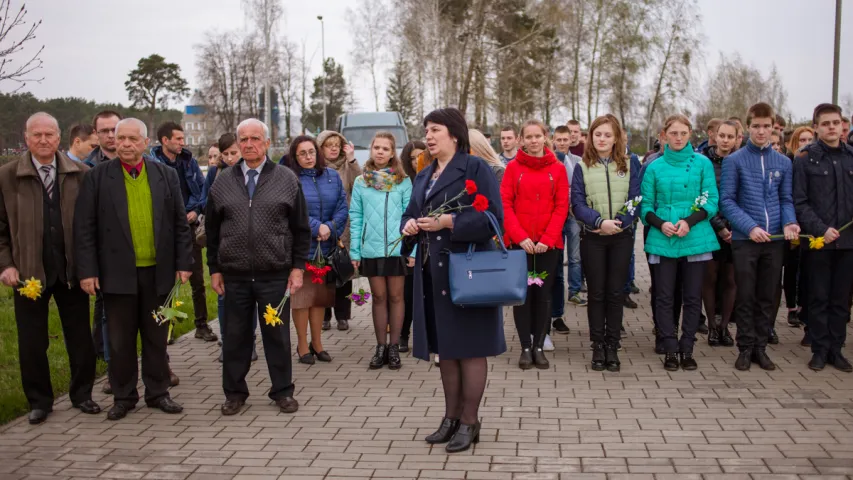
(37, 196)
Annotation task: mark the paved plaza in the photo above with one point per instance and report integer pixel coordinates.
(567, 422)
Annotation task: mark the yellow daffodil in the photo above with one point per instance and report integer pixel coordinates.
(271, 316)
(31, 288)
(816, 243)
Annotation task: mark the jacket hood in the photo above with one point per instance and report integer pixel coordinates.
(537, 163)
(325, 135)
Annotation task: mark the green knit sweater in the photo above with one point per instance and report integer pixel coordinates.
(140, 212)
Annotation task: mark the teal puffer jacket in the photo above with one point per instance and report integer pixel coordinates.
(375, 217)
(670, 187)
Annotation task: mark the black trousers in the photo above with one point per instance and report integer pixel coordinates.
(98, 325)
(676, 303)
(343, 305)
(791, 277)
(672, 272)
(199, 292)
(534, 317)
(31, 318)
(243, 298)
(128, 315)
(606, 259)
(408, 298)
(758, 274)
(830, 277)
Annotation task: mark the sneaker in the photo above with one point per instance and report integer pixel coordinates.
(327, 325)
(560, 326)
(634, 288)
(628, 303)
(548, 345)
(435, 360)
(794, 319)
(577, 300)
(583, 287)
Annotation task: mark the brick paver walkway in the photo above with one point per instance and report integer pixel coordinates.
(564, 423)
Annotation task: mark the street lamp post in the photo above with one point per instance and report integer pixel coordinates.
(323, 53)
(837, 51)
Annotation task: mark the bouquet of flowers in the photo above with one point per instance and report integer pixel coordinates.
(30, 288)
(359, 297)
(631, 206)
(272, 316)
(168, 312)
(318, 267)
(536, 278)
(700, 202)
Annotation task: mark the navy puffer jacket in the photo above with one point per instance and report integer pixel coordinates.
(756, 191)
(327, 204)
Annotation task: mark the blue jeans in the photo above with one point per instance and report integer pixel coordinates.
(573, 248)
(627, 289)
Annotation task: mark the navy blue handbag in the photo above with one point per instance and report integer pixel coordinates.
(492, 278)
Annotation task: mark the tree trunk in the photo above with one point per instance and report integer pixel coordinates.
(653, 102)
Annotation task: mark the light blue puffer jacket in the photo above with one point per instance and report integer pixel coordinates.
(374, 219)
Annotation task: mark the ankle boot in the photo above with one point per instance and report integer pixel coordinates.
(525, 361)
(464, 437)
(744, 359)
(611, 359)
(394, 362)
(380, 357)
(714, 337)
(759, 356)
(540, 361)
(670, 362)
(598, 357)
(445, 431)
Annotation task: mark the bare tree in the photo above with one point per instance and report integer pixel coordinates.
(265, 15)
(734, 86)
(15, 33)
(370, 25)
(287, 78)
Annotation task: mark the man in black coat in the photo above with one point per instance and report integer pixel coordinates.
(258, 239)
(823, 182)
(133, 241)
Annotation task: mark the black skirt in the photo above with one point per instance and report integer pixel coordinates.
(383, 267)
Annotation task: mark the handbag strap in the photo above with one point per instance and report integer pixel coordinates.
(496, 228)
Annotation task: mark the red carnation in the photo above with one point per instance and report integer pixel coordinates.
(470, 187)
(481, 203)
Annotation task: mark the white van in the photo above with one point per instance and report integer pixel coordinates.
(359, 128)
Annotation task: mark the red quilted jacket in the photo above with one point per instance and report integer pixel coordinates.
(535, 195)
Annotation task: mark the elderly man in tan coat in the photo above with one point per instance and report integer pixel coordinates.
(37, 196)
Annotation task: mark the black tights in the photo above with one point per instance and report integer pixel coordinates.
(723, 273)
(387, 301)
(464, 382)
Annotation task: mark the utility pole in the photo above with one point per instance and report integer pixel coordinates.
(323, 64)
(837, 52)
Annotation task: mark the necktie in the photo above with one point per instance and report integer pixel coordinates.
(251, 185)
(134, 173)
(47, 179)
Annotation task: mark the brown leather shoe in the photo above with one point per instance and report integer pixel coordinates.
(232, 407)
(287, 404)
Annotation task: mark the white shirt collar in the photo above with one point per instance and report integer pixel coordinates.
(245, 167)
(38, 165)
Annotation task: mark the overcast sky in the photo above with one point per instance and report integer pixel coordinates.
(91, 45)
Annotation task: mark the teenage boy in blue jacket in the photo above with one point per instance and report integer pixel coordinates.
(756, 198)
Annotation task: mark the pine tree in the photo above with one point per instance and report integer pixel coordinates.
(400, 95)
(337, 95)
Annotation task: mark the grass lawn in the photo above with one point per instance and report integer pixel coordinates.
(13, 403)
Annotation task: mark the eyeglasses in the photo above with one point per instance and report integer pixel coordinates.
(306, 154)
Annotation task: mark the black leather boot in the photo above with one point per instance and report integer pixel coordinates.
(380, 356)
(759, 356)
(464, 437)
(670, 362)
(598, 357)
(394, 362)
(445, 431)
(744, 360)
(525, 360)
(540, 361)
(611, 358)
(714, 337)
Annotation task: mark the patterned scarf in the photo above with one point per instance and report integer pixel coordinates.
(382, 179)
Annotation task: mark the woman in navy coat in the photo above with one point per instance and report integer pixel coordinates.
(463, 337)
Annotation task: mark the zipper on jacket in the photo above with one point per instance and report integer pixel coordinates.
(766, 216)
(251, 242)
(609, 195)
(385, 230)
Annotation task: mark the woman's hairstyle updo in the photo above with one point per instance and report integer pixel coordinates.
(618, 154)
(455, 122)
(226, 141)
(677, 118)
